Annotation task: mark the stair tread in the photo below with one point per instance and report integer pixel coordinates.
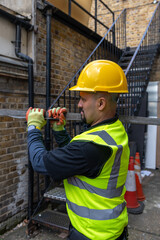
(57, 193)
(140, 69)
(52, 218)
(143, 64)
(146, 57)
(141, 52)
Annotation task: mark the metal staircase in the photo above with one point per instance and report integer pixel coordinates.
(137, 65)
(138, 77)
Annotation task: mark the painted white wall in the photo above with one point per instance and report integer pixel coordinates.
(151, 147)
(151, 142)
(7, 35)
(25, 8)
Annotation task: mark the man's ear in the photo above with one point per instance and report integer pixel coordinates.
(101, 103)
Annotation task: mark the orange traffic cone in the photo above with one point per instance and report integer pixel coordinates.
(131, 196)
(137, 169)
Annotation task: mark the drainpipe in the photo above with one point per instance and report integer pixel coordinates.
(30, 64)
(48, 81)
(31, 104)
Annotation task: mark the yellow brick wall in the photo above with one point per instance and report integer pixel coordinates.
(138, 15)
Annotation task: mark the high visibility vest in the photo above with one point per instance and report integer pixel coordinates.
(96, 207)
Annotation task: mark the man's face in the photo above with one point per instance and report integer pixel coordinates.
(88, 107)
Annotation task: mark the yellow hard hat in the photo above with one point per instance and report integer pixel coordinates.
(101, 76)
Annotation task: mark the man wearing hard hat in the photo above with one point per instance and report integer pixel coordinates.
(94, 164)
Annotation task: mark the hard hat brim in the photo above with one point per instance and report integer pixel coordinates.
(84, 89)
(80, 89)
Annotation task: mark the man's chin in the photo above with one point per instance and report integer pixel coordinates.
(83, 119)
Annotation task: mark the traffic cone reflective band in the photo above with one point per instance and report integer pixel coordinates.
(131, 195)
(133, 206)
(137, 169)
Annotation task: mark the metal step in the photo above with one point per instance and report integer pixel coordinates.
(52, 219)
(141, 51)
(126, 58)
(57, 194)
(144, 63)
(140, 70)
(139, 56)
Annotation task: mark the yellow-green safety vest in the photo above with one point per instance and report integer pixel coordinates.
(96, 207)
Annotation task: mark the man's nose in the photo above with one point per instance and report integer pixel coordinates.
(80, 104)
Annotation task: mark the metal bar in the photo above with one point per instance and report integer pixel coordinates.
(89, 14)
(77, 117)
(96, 16)
(48, 82)
(114, 39)
(69, 7)
(106, 6)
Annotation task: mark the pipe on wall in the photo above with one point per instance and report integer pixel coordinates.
(31, 104)
(48, 81)
(16, 20)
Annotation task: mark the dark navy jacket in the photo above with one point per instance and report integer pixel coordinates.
(69, 159)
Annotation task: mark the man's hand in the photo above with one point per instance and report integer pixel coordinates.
(35, 116)
(58, 113)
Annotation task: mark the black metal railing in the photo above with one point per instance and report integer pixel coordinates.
(105, 49)
(138, 70)
(95, 16)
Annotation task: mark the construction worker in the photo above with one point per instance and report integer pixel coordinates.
(93, 164)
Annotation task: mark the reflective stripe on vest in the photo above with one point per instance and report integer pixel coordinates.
(94, 214)
(111, 190)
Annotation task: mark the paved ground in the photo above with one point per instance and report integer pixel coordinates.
(145, 226)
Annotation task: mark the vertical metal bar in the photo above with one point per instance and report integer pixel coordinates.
(38, 192)
(69, 7)
(95, 21)
(113, 32)
(128, 96)
(99, 51)
(30, 169)
(75, 96)
(64, 99)
(69, 102)
(105, 50)
(102, 49)
(48, 82)
(125, 29)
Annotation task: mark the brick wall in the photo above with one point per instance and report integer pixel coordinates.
(13, 149)
(138, 15)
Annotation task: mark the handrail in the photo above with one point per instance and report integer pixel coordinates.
(137, 49)
(106, 6)
(94, 17)
(101, 41)
(89, 14)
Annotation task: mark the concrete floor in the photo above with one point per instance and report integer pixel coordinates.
(145, 226)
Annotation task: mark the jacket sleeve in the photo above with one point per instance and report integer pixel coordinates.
(36, 150)
(62, 137)
(76, 158)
